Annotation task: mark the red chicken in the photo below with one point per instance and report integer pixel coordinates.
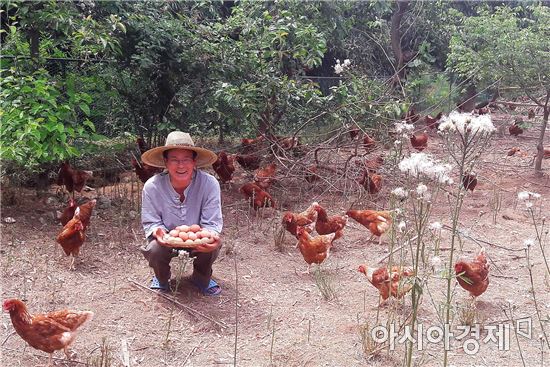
(224, 166)
(47, 332)
(291, 221)
(328, 225)
(419, 141)
(371, 165)
(251, 145)
(513, 151)
(469, 181)
(368, 143)
(515, 129)
(257, 197)
(249, 162)
(433, 122)
(142, 145)
(314, 249)
(144, 171)
(473, 276)
(265, 176)
(65, 216)
(73, 179)
(73, 234)
(378, 222)
(372, 182)
(388, 284)
(312, 174)
(411, 116)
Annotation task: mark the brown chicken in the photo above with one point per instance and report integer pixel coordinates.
(531, 114)
(265, 176)
(513, 151)
(388, 284)
(473, 276)
(224, 166)
(328, 225)
(257, 197)
(314, 249)
(312, 174)
(372, 182)
(72, 179)
(65, 216)
(291, 221)
(411, 116)
(469, 181)
(251, 145)
(419, 141)
(378, 222)
(372, 165)
(354, 133)
(368, 143)
(433, 122)
(249, 162)
(142, 145)
(73, 234)
(47, 332)
(144, 171)
(287, 142)
(515, 129)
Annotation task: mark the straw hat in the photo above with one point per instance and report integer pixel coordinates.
(178, 140)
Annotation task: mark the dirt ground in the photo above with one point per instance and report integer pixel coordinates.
(269, 313)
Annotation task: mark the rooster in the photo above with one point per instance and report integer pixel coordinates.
(249, 162)
(328, 225)
(73, 234)
(47, 332)
(265, 176)
(291, 221)
(469, 181)
(419, 141)
(257, 197)
(473, 276)
(378, 222)
(314, 249)
(144, 171)
(224, 166)
(72, 179)
(433, 122)
(388, 284)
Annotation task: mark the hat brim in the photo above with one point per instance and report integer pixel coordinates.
(153, 157)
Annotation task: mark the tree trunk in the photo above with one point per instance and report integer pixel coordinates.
(396, 37)
(540, 144)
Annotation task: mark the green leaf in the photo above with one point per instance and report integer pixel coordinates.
(84, 107)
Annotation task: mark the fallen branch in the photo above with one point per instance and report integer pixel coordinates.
(191, 311)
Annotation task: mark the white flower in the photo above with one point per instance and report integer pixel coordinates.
(527, 195)
(403, 127)
(347, 62)
(397, 143)
(401, 226)
(529, 242)
(338, 69)
(400, 192)
(435, 226)
(435, 262)
(421, 163)
(463, 122)
(529, 204)
(421, 189)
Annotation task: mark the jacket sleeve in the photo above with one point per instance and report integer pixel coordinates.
(151, 218)
(211, 211)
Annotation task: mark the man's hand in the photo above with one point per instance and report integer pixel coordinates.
(159, 234)
(209, 247)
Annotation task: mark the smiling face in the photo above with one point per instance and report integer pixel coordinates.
(180, 164)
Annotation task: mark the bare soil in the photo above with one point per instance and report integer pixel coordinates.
(269, 313)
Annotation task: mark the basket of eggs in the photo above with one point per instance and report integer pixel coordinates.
(188, 236)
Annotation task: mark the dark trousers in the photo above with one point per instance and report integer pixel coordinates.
(159, 259)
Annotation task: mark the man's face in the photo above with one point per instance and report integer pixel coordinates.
(180, 164)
